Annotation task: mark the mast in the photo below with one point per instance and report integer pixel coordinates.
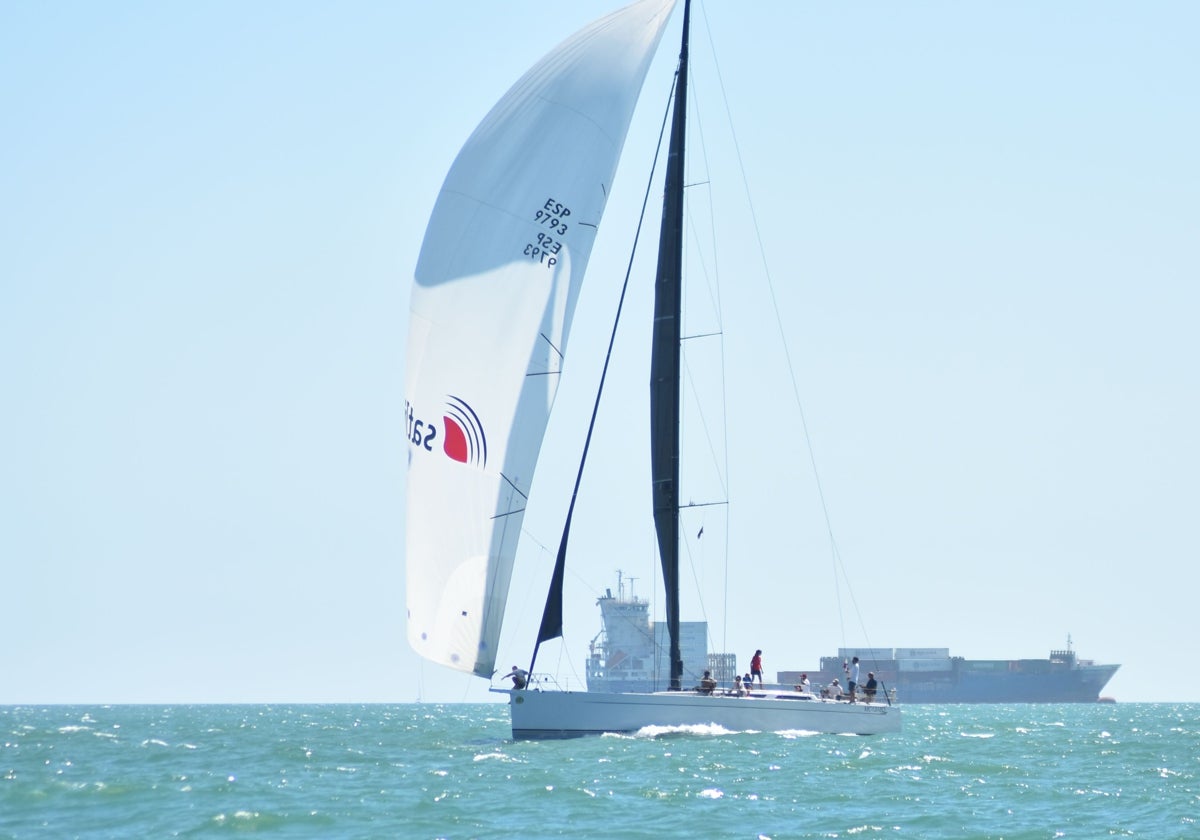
(665, 362)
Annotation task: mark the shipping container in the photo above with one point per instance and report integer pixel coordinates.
(985, 665)
(913, 665)
(922, 653)
(1033, 666)
(866, 654)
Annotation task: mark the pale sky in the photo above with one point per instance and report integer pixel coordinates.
(980, 221)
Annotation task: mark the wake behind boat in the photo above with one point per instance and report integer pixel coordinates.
(495, 289)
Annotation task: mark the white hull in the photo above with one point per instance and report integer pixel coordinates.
(564, 714)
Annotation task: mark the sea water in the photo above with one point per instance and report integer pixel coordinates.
(429, 770)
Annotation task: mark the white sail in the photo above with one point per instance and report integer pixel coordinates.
(496, 283)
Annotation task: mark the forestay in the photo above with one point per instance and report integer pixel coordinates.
(496, 284)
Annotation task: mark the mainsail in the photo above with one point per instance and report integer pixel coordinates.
(495, 288)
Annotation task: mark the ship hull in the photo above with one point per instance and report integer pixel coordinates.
(1078, 686)
(566, 714)
(962, 684)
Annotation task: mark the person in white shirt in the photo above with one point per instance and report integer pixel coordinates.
(852, 677)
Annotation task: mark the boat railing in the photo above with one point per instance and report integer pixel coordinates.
(782, 692)
(535, 682)
(547, 682)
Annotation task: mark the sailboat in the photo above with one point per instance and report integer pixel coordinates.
(495, 288)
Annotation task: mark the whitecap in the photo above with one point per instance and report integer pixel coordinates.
(797, 733)
(688, 729)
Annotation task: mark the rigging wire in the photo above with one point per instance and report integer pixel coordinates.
(714, 286)
(835, 554)
(711, 274)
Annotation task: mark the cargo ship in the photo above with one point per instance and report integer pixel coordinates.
(629, 655)
(932, 675)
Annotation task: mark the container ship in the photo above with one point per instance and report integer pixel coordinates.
(629, 654)
(932, 675)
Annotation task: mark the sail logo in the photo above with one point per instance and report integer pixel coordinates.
(459, 435)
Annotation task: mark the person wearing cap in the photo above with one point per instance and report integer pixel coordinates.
(803, 684)
(871, 686)
(707, 684)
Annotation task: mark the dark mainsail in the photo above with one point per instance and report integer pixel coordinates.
(664, 363)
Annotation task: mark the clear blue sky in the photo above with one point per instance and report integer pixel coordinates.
(981, 222)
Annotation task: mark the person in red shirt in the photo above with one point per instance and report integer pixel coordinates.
(756, 667)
